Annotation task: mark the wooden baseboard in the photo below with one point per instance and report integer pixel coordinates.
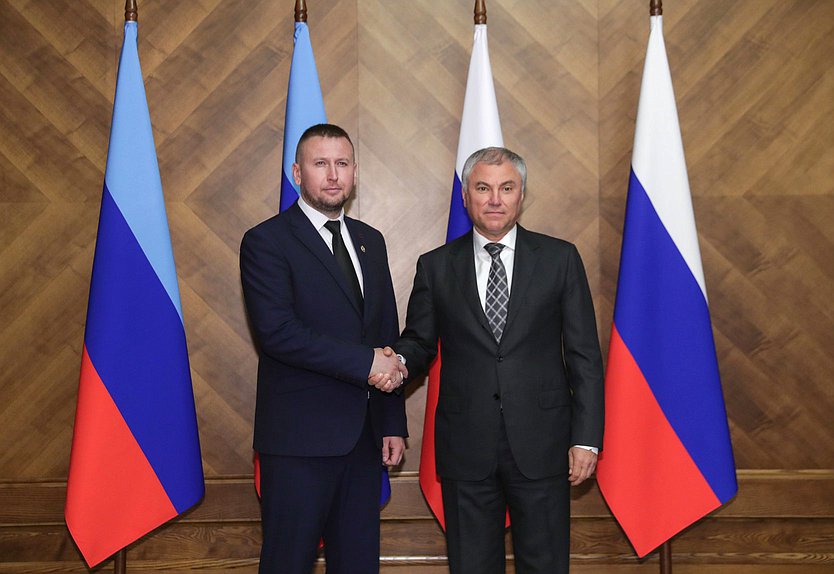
(779, 522)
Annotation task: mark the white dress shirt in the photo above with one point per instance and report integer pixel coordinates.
(318, 220)
(483, 260)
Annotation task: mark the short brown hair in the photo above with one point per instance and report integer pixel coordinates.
(323, 131)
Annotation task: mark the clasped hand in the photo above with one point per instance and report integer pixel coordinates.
(387, 372)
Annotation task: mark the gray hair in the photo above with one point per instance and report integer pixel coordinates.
(494, 156)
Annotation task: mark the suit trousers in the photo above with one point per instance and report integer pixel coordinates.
(476, 512)
(335, 498)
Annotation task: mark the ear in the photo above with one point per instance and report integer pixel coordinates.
(465, 196)
(296, 173)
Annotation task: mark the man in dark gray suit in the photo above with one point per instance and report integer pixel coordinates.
(520, 410)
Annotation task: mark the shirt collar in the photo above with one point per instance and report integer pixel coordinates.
(317, 218)
(508, 241)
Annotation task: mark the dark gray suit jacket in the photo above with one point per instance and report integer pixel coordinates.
(546, 374)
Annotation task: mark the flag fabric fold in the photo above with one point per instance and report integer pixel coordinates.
(135, 460)
(667, 458)
(305, 107)
(480, 127)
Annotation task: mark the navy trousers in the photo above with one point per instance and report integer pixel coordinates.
(305, 499)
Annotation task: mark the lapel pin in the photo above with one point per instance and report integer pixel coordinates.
(362, 248)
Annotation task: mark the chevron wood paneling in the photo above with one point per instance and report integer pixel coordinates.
(755, 90)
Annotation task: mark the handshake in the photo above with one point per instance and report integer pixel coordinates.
(387, 372)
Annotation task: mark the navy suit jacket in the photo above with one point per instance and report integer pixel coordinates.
(315, 346)
(546, 373)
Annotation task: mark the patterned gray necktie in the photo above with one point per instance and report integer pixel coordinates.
(497, 292)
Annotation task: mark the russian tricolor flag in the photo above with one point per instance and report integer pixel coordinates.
(135, 459)
(480, 127)
(667, 459)
(305, 107)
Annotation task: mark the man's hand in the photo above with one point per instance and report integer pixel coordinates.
(581, 465)
(387, 372)
(392, 450)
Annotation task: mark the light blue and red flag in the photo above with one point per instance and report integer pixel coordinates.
(135, 459)
(480, 127)
(305, 107)
(667, 459)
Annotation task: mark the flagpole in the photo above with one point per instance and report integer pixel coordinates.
(666, 557)
(131, 11)
(300, 11)
(656, 9)
(120, 558)
(480, 12)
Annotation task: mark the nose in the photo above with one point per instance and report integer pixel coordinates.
(494, 198)
(332, 174)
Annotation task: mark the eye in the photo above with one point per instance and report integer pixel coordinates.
(320, 163)
(342, 164)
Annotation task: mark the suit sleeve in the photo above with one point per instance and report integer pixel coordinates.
(418, 342)
(583, 361)
(280, 332)
(394, 417)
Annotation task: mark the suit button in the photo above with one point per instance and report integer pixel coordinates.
(500, 358)
(496, 396)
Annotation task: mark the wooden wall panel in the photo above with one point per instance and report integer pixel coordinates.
(755, 91)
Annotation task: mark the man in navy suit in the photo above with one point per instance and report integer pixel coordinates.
(520, 408)
(320, 300)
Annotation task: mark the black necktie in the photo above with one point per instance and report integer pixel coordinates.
(344, 261)
(497, 293)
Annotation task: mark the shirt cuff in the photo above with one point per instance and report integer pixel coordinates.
(593, 449)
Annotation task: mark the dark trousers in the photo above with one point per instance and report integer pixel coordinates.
(475, 517)
(335, 498)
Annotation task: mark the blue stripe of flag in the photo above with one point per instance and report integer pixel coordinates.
(289, 194)
(305, 107)
(666, 326)
(459, 222)
(136, 340)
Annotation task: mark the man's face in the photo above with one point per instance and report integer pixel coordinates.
(493, 198)
(326, 174)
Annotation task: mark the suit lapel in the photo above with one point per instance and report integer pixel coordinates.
(463, 265)
(309, 236)
(526, 257)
